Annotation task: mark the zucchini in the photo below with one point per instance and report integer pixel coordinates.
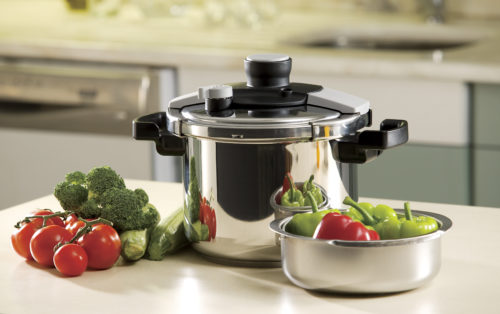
(167, 237)
(134, 244)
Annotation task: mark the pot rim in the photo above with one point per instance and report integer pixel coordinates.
(278, 226)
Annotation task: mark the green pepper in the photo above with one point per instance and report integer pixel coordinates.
(416, 226)
(315, 191)
(355, 214)
(382, 217)
(305, 224)
(293, 197)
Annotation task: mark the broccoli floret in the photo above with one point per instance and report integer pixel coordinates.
(128, 210)
(76, 177)
(89, 209)
(101, 179)
(70, 196)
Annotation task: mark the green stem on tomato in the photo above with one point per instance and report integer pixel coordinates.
(85, 229)
(408, 214)
(368, 219)
(314, 206)
(44, 217)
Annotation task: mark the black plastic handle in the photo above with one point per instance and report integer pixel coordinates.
(367, 145)
(153, 127)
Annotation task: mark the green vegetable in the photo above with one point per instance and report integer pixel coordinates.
(71, 196)
(292, 198)
(128, 210)
(305, 224)
(315, 191)
(101, 179)
(193, 197)
(167, 237)
(134, 244)
(416, 226)
(386, 222)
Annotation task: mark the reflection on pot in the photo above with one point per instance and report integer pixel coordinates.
(199, 216)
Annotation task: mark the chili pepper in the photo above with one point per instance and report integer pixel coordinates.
(293, 197)
(287, 183)
(416, 226)
(316, 192)
(337, 226)
(382, 217)
(305, 224)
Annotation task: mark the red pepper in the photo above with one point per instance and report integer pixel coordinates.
(287, 183)
(335, 226)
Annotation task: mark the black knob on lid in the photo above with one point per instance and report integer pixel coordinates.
(268, 70)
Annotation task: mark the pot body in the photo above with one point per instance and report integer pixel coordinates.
(237, 181)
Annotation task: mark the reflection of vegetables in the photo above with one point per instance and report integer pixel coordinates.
(305, 224)
(316, 192)
(193, 196)
(415, 226)
(168, 236)
(207, 217)
(293, 197)
(387, 223)
(342, 227)
(287, 181)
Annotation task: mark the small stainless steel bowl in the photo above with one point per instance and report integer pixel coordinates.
(382, 266)
(281, 211)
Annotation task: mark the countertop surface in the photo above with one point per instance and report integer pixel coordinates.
(468, 282)
(47, 30)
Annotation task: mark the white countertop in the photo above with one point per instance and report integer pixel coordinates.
(45, 29)
(468, 282)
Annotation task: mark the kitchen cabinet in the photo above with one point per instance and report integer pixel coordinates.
(34, 161)
(486, 144)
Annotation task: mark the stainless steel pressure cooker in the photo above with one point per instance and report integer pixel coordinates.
(239, 140)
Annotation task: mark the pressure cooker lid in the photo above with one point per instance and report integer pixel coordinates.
(267, 107)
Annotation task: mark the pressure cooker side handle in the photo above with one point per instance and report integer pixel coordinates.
(153, 127)
(367, 145)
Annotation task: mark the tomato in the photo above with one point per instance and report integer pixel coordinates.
(21, 237)
(51, 221)
(71, 259)
(43, 241)
(75, 226)
(102, 245)
(70, 219)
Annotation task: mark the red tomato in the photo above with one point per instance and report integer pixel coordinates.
(75, 226)
(102, 245)
(43, 241)
(71, 260)
(21, 237)
(70, 219)
(51, 221)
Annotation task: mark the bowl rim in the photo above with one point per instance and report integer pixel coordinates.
(445, 223)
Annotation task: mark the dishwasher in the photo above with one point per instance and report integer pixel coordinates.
(59, 116)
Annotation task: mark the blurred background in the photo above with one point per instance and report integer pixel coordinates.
(74, 73)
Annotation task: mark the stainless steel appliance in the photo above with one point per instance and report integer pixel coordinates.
(57, 116)
(239, 140)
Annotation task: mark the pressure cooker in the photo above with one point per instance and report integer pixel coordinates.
(239, 140)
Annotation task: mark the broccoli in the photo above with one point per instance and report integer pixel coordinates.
(128, 210)
(76, 177)
(89, 209)
(101, 179)
(71, 193)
